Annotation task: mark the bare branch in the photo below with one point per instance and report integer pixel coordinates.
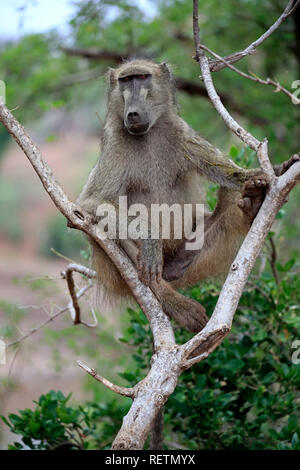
(160, 324)
(264, 161)
(218, 64)
(79, 268)
(245, 136)
(74, 307)
(254, 77)
(74, 300)
(273, 260)
(49, 319)
(124, 391)
(96, 54)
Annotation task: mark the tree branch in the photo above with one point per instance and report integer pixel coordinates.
(74, 307)
(124, 391)
(253, 77)
(217, 64)
(159, 322)
(97, 54)
(60, 311)
(220, 322)
(200, 57)
(273, 260)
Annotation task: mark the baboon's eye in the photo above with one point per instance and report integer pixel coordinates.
(143, 76)
(125, 79)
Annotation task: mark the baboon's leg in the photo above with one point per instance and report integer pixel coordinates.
(187, 312)
(224, 230)
(110, 279)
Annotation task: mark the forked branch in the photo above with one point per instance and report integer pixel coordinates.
(218, 64)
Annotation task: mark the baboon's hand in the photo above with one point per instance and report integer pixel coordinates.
(280, 169)
(253, 194)
(150, 261)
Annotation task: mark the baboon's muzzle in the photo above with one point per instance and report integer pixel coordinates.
(136, 122)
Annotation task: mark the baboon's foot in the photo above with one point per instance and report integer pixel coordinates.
(149, 261)
(175, 267)
(188, 313)
(253, 194)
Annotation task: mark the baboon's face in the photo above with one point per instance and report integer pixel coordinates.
(142, 98)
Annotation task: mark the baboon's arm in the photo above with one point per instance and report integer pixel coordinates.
(90, 196)
(213, 164)
(217, 167)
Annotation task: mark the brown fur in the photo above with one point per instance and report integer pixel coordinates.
(165, 165)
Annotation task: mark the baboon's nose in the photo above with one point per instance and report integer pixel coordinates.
(136, 123)
(133, 117)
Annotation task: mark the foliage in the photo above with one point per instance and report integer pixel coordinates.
(53, 425)
(245, 395)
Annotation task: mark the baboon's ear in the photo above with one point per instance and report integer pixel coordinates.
(111, 77)
(166, 69)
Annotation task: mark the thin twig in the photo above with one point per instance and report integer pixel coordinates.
(216, 65)
(74, 299)
(79, 268)
(124, 391)
(235, 127)
(50, 319)
(278, 87)
(74, 307)
(273, 260)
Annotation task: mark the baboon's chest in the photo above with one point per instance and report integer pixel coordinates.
(165, 187)
(152, 179)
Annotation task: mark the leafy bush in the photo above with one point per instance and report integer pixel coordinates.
(245, 395)
(53, 425)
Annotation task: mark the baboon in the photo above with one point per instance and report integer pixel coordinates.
(151, 155)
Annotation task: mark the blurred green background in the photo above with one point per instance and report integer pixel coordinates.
(55, 83)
